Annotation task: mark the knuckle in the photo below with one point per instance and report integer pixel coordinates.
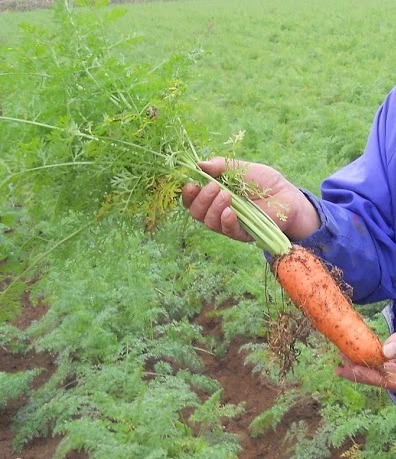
(212, 223)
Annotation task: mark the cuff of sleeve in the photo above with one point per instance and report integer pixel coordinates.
(322, 237)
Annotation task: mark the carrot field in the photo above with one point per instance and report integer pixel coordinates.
(127, 330)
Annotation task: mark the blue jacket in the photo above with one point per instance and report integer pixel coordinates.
(358, 213)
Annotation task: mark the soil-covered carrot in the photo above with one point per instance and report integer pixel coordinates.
(312, 288)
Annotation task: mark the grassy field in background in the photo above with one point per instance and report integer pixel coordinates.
(304, 79)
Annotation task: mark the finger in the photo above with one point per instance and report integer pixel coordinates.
(390, 367)
(216, 166)
(382, 377)
(220, 218)
(214, 212)
(230, 226)
(202, 202)
(361, 375)
(189, 192)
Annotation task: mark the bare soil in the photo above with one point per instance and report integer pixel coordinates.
(237, 380)
(258, 394)
(40, 448)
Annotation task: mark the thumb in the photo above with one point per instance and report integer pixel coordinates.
(217, 165)
(389, 347)
(213, 167)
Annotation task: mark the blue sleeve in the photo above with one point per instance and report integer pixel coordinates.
(358, 210)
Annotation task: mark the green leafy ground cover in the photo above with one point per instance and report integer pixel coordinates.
(303, 82)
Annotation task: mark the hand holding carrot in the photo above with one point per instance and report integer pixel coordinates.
(384, 377)
(211, 206)
(302, 275)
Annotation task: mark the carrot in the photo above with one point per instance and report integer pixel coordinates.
(311, 287)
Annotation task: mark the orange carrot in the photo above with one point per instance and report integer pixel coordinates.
(311, 287)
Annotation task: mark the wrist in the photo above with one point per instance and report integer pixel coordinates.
(305, 219)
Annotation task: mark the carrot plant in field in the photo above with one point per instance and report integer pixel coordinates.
(128, 363)
(100, 135)
(92, 145)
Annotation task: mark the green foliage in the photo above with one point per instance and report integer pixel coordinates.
(273, 416)
(306, 446)
(112, 411)
(348, 410)
(247, 318)
(73, 155)
(14, 385)
(128, 362)
(176, 340)
(199, 381)
(210, 413)
(16, 242)
(376, 427)
(12, 339)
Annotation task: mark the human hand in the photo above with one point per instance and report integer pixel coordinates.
(384, 377)
(211, 205)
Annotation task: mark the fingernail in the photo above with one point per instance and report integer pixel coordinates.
(389, 350)
(202, 164)
(212, 189)
(222, 196)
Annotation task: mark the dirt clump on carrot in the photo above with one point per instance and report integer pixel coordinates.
(311, 287)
